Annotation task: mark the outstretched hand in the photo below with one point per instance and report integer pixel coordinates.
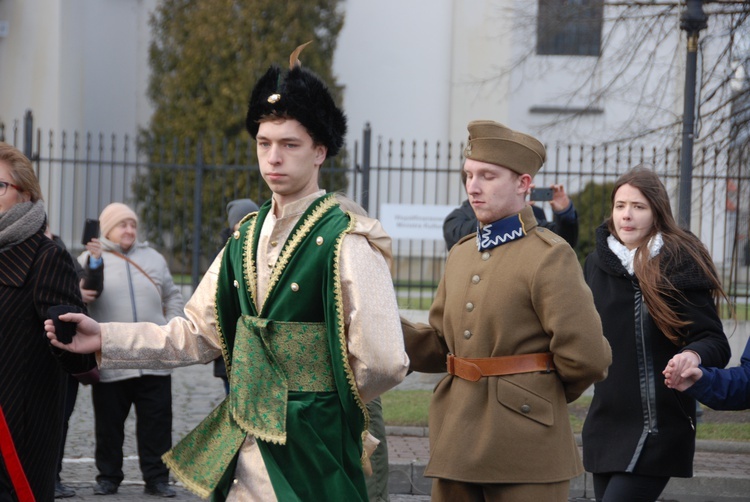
(88, 337)
(682, 372)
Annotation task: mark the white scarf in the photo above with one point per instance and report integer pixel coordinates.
(627, 256)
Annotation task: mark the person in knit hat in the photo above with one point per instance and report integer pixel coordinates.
(137, 287)
(300, 304)
(515, 326)
(114, 214)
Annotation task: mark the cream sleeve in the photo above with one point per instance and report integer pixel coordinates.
(374, 337)
(183, 341)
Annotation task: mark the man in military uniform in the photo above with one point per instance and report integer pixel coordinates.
(514, 325)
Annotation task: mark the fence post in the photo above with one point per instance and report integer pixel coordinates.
(28, 133)
(366, 139)
(197, 210)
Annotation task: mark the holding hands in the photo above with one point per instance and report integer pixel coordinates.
(682, 371)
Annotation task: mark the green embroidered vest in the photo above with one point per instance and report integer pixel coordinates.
(290, 382)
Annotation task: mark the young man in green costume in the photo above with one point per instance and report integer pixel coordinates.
(301, 306)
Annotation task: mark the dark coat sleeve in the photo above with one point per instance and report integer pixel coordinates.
(705, 334)
(566, 227)
(55, 282)
(725, 389)
(93, 278)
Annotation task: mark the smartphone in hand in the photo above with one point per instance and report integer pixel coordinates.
(90, 231)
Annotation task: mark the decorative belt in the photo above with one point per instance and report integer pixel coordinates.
(474, 369)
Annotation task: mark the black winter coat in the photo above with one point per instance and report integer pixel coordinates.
(635, 423)
(35, 275)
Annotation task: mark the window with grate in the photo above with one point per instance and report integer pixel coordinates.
(569, 27)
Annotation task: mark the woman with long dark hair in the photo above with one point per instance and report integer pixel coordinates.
(656, 290)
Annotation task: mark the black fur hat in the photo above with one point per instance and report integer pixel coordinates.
(300, 94)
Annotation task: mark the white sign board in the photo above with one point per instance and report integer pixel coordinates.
(414, 221)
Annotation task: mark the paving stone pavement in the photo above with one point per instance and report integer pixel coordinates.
(722, 470)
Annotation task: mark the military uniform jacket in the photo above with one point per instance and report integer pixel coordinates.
(525, 296)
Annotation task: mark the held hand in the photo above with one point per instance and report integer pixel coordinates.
(689, 378)
(560, 200)
(88, 337)
(682, 371)
(94, 247)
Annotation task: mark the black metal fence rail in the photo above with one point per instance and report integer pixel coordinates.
(180, 189)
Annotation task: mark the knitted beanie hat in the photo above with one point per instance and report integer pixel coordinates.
(114, 214)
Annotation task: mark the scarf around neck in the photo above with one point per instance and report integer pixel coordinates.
(627, 256)
(500, 232)
(21, 222)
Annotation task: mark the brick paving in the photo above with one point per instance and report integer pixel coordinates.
(722, 470)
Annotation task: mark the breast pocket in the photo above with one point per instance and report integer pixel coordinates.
(516, 394)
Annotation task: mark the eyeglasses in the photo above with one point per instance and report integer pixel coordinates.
(4, 187)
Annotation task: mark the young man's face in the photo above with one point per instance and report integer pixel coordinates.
(289, 160)
(494, 191)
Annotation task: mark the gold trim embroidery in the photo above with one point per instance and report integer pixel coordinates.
(293, 242)
(339, 299)
(248, 259)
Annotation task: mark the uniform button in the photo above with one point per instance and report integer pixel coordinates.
(235, 481)
(319, 240)
(467, 334)
(486, 255)
(274, 243)
(469, 306)
(236, 283)
(525, 408)
(475, 279)
(295, 287)
(236, 234)
(270, 264)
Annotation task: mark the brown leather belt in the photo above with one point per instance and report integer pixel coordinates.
(474, 369)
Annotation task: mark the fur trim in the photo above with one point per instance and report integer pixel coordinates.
(301, 95)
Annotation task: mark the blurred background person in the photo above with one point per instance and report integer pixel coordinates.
(236, 210)
(138, 287)
(655, 287)
(35, 274)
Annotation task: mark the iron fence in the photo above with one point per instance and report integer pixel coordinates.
(180, 189)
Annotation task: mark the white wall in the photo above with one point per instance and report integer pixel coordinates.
(78, 65)
(414, 69)
(392, 59)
